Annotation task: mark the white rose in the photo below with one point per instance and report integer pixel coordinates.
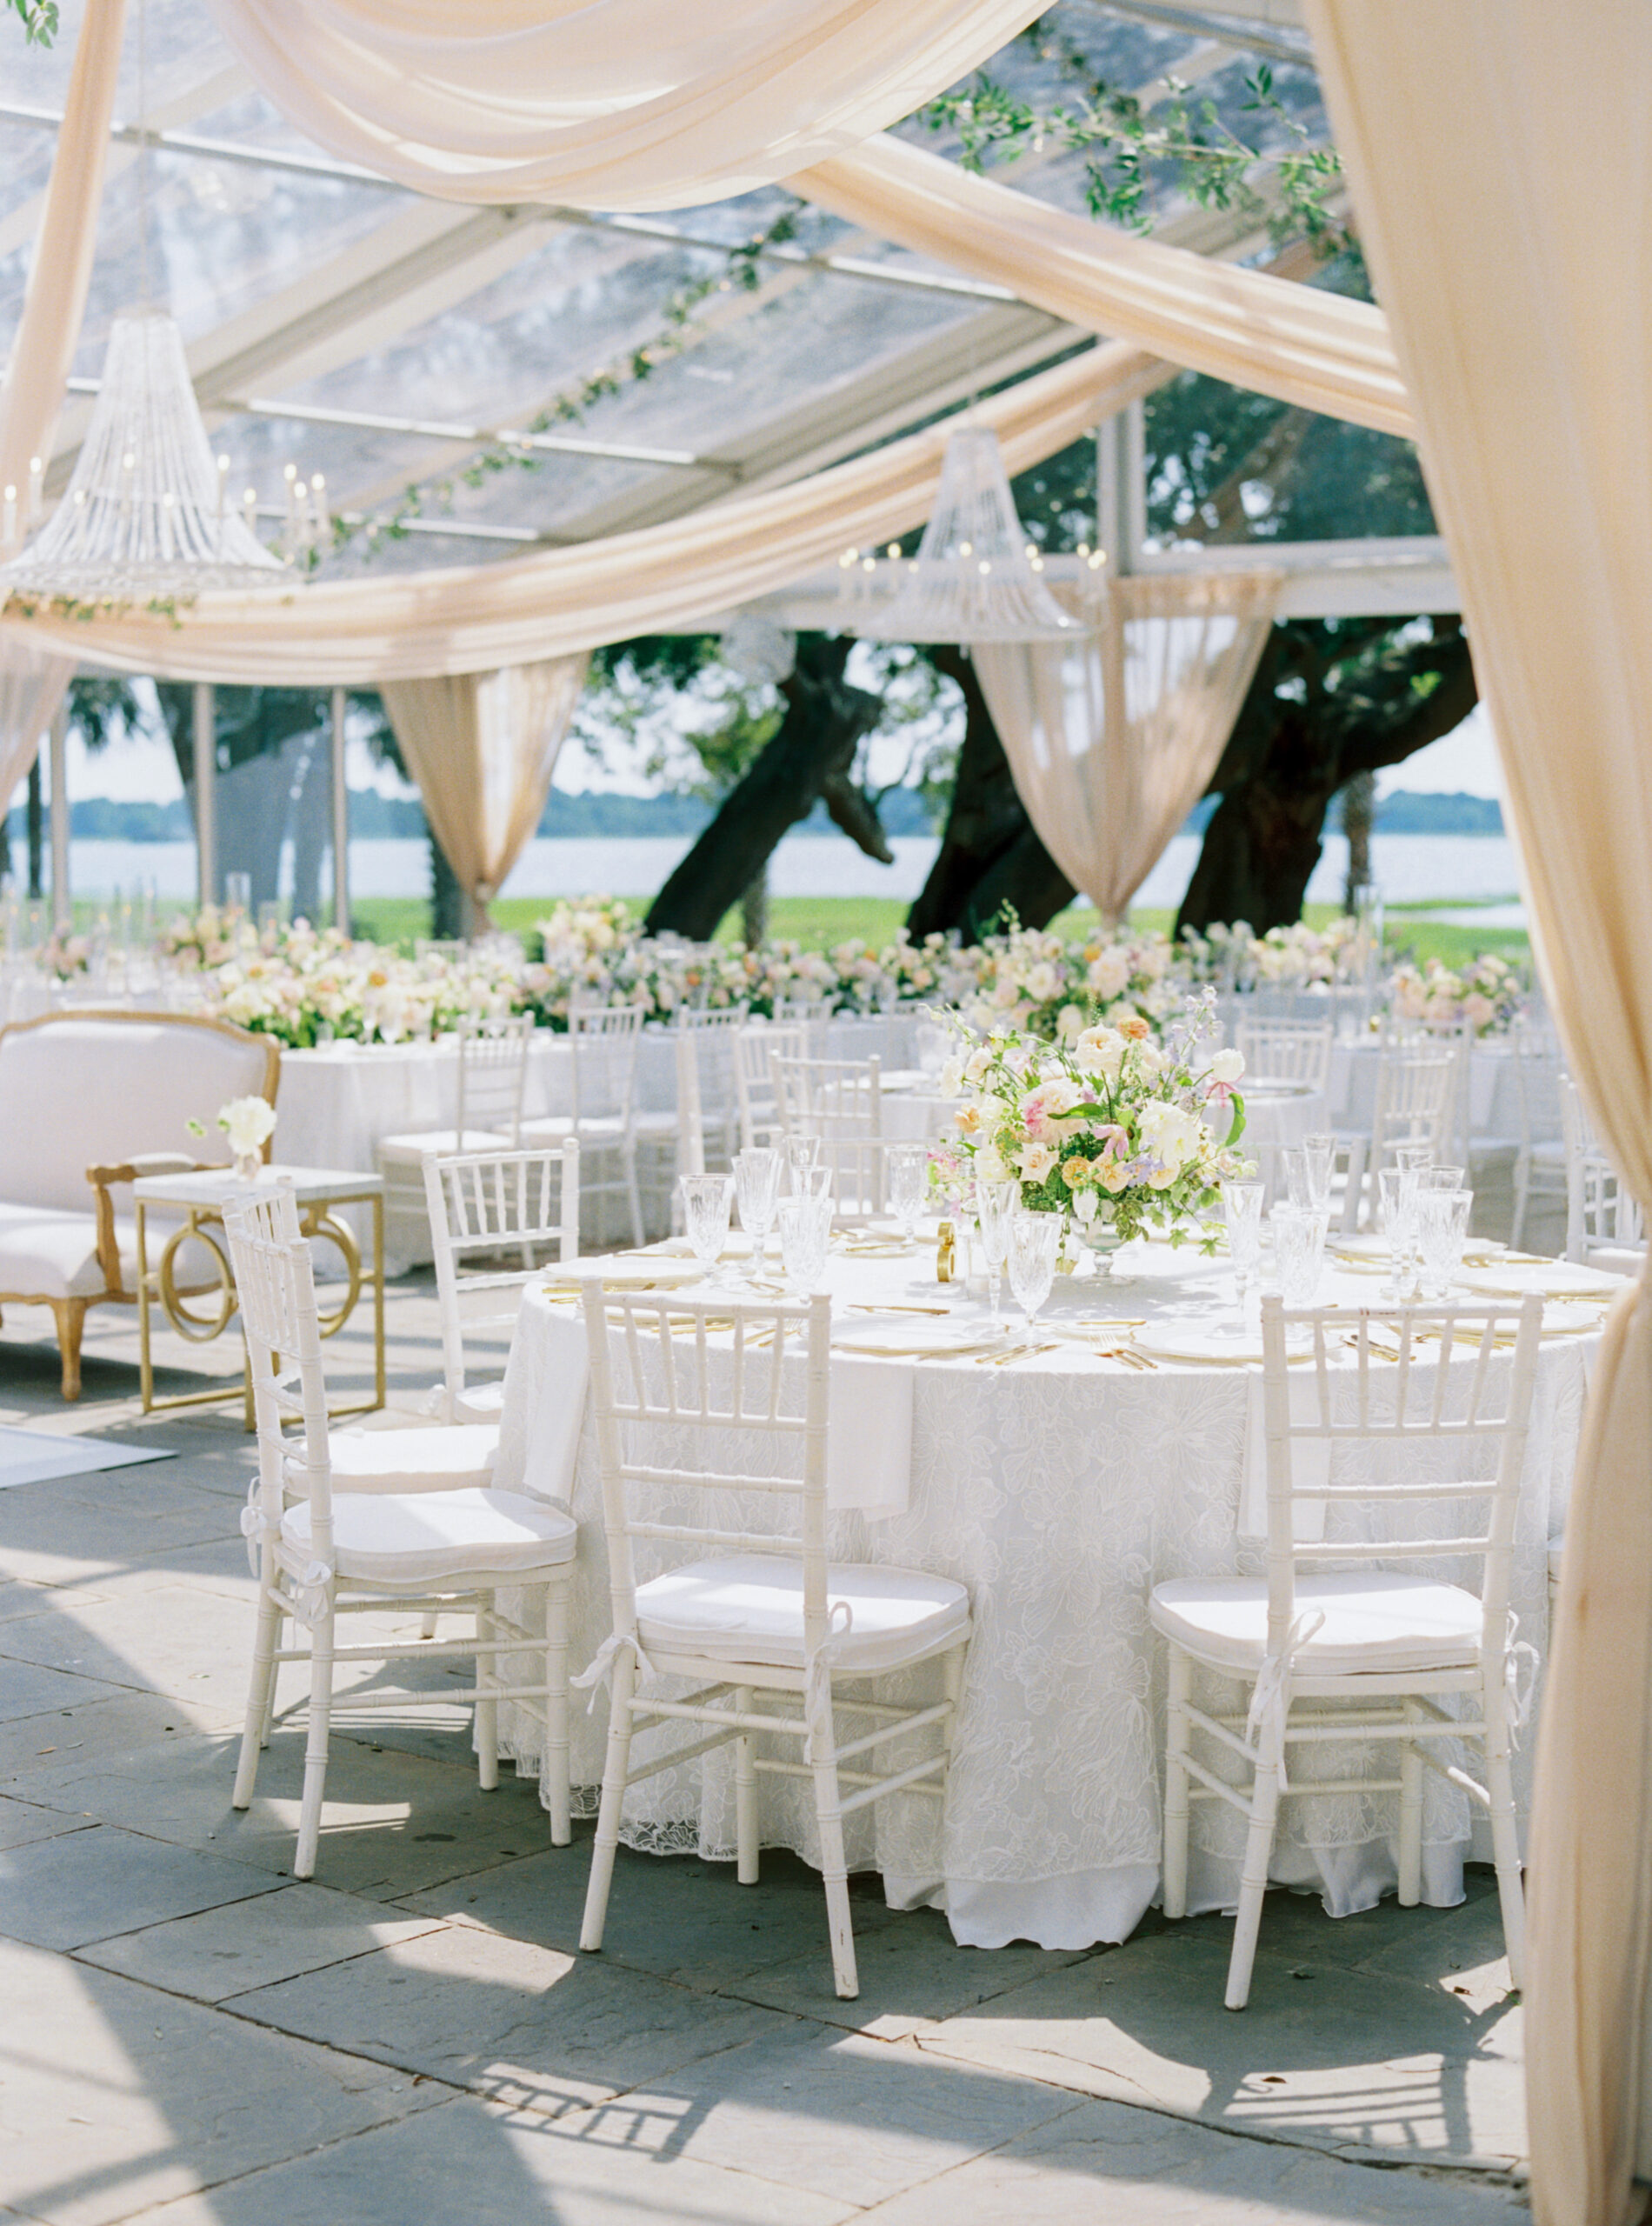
(951, 1082)
(1109, 973)
(247, 1123)
(1228, 1066)
(1035, 1162)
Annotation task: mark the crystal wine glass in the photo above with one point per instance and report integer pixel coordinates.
(756, 1187)
(805, 1236)
(1034, 1239)
(908, 1169)
(706, 1200)
(1242, 1207)
(995, 1203)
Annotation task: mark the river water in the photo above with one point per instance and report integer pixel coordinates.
(1409, 868)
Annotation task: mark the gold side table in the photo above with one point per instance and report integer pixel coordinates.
(200, 1198)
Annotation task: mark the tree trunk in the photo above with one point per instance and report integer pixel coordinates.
(754, 912)
(447, 898)
(990, 856)
(36, 830)
(1357, 695)
(1359, 814)
(809, 756)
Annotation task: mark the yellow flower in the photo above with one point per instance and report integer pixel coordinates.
(1076, 1172)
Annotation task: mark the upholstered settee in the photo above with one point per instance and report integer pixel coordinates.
(89, 1101)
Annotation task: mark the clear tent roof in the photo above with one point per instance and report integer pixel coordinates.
(348, 326)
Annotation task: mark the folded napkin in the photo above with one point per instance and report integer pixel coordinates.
(1310, 1462)
(556, 1415)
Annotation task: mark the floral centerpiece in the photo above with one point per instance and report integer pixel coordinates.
(1110, 1125)
(1485, 994)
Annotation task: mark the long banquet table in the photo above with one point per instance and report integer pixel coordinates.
(1060, 1487)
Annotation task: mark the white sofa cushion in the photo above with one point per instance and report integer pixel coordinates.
(47, 1253)
(388, 1538)
(1372, 1623)
(750, 1608)
(442, 1457)
(81, 1089)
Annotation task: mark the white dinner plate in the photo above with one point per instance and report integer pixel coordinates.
(911, 1335)
(1547, 1278)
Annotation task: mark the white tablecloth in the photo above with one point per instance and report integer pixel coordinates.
(1059, 1489)
(334, 1105)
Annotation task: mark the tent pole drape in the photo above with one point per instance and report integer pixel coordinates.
(32, 686)
(43, 347)
(482, 748)
(341, 815)
(1272, 335)
(1500, 158)
(62, 903)
(481, 617)
(1112, 738)
(639, 104)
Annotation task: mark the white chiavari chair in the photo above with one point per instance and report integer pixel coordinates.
(1285, 1050)
(708, 1094)
(604, 1043)
(748, 1612)
(496, 1218)
(754, 1046)
(829, 1098)
(1540, 1154)
(491, 1076)
(319, 1553)
(1604, 1224)
(1372, 1653)
(1415, 1087)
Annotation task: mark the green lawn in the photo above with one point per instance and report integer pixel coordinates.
(819, 922)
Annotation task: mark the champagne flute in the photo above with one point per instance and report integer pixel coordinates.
(756, 1183)
(908, 1169)
(995, 1203)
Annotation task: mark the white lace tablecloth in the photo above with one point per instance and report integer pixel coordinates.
(1060, 1488)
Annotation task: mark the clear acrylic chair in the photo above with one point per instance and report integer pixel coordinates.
(319, 1553)
(741, 1612)
(496, 1218)
(1373, 1653)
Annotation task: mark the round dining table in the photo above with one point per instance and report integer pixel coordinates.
(1059, 1475)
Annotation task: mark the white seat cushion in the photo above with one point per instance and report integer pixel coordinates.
(1372, 1623)
(426, 1143)
(388, 1537)
(750, 1608)
(46, 1252)
(480, 1403)
(440, 1457)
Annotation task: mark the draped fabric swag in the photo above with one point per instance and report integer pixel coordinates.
(479, 617)
(44, 346)
(483, 747)
(1272, 335)
(605, 103)
(33, 683)
(1112, 740)
(1500, 153)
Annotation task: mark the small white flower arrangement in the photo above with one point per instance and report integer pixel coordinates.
(249, 1123)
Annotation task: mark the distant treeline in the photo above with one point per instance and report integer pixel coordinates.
(374, 817)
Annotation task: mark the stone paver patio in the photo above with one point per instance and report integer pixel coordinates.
(193, 2038)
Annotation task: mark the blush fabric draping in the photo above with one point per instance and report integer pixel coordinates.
(482, 748)
(33, 683)
(476, 619)
(1500, 159)
(1112, 738)
(43, 348)
(635, 105)
(1272, 335)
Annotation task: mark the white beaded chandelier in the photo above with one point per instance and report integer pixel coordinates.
(975, 576)
(145, 518)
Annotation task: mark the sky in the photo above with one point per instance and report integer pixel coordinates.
(143, 767)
